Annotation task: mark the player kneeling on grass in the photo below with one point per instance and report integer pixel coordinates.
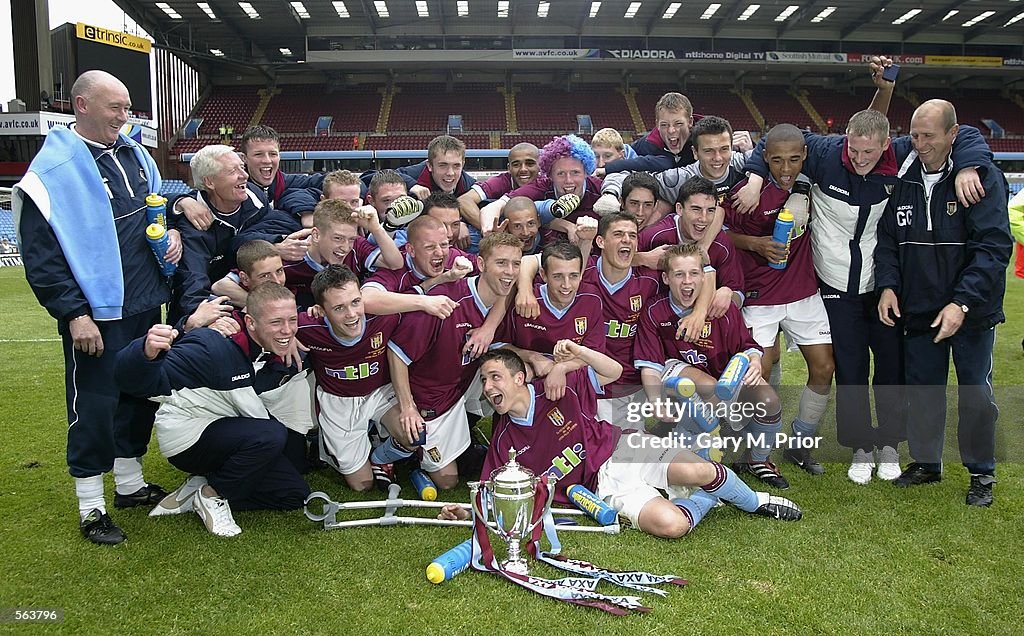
(433, 371)
(658, 348)
(627, 469)
(348, 354)
(223, 405)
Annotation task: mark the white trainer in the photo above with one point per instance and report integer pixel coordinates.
(180, 500)
(860, 467)
(216, 514)
(888, 463)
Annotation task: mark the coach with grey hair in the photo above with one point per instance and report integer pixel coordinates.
(240, 214)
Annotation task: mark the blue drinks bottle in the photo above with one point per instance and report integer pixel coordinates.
(783, 234)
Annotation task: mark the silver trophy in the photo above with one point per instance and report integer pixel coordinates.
(509, 497)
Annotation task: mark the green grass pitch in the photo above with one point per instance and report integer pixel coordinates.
(864, 560)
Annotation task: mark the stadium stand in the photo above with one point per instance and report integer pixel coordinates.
(541, 112)
(975, 105)
(425, 107)
(721, 102)
(416, 142)
(6, 223)
(537, 139)
(1007, 145)
(229, 105)
(173, 187)
(602, 102)
(779, 107)
(296, 108)
(545, 108)
(841, 106)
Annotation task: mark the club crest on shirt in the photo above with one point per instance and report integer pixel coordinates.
(434, 454)
(705, 331)
(636, 302)
(556, 417)
(951, 208)
(377, 340)
(581, 325)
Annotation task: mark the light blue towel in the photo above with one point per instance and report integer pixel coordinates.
(65, 184)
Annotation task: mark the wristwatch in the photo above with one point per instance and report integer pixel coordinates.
(964, 308)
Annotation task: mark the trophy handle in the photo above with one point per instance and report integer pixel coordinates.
(551, 479)
(474, 488)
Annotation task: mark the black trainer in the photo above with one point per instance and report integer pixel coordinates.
(765, 471)
(980, 492)
(775, 507)
(148, 495)
(917, 474)
(313, 461)
(99, 528)
(802, 458)
(383, 476)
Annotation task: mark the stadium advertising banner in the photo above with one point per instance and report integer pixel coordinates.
(113, 38)
(805, 57)
(32, 124)
(679, 54)
(902, 60)
(555, 54)
(1013, 61)
(124, 56)
(19, 124)
(962, 60)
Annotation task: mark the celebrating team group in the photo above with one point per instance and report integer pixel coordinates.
(362, 321)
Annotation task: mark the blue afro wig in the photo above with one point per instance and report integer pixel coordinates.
(567, 146)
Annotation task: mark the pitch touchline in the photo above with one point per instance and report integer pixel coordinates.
(14, 341)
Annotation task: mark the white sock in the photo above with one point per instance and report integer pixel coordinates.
(812, 407)
(90, 495)
(128, 475)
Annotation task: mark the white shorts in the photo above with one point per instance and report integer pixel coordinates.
(634, 476)
(475, 402)
(345, 423)
(804, 322)
(447, 437)
(614, 410)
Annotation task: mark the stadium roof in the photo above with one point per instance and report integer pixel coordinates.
(276, 31)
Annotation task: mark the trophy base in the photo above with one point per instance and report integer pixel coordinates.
(515, 566)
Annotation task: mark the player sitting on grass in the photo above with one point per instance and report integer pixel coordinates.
(627, 469)
(704, 361)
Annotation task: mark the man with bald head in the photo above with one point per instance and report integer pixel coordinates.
(80, 213)
(523, 222)
(941, 267)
